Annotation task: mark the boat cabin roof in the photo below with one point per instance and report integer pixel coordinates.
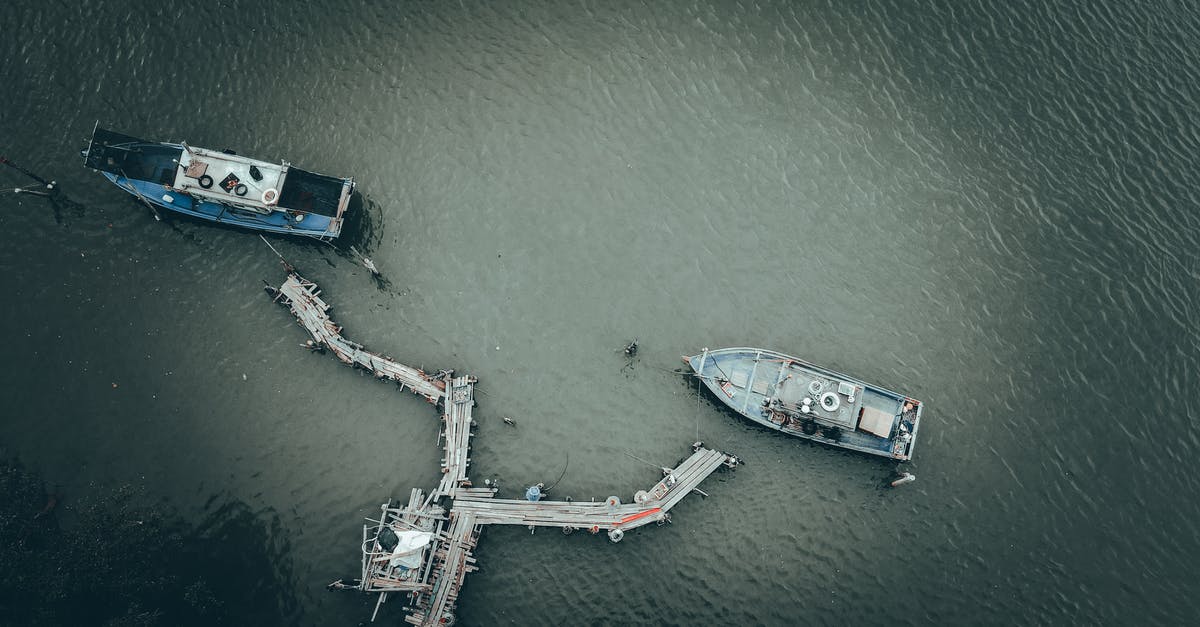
(230, 177)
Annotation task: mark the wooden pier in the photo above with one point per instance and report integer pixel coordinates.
(304, 299)
(422, 549)
(456, 436)
(649, 506)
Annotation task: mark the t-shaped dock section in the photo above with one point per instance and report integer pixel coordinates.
(423, 550)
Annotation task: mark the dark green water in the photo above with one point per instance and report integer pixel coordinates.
(988, 205)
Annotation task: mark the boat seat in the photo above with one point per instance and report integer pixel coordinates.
(196, 169)
(876, 421)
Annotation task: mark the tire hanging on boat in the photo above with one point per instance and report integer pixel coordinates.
(809, 427)
(832, 433)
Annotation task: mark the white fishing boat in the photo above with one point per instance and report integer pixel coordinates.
(807, 401)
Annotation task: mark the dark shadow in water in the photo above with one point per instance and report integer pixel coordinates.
(361, 234)
(363, 226)
(113, 557)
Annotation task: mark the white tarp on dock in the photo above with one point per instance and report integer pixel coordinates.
(408, 552)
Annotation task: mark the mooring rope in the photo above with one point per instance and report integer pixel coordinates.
(22, 170)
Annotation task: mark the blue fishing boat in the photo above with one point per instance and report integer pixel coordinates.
(798, 398)
(221, 186)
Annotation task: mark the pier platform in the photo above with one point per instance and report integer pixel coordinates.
(423, 549)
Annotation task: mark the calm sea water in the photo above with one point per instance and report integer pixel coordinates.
(988, 205)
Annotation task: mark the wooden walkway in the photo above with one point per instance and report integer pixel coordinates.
(304, 299)
(650, 506)
(451, 561)
(434, 603)
(433, 586)
(456, 436)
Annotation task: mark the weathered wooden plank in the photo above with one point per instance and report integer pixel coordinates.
(302, 297)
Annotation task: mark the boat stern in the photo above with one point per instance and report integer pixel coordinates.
(335, 224)
(904, 443)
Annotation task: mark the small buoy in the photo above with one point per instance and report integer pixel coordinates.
(641, 496)
(905, 477)
(509, 421)
(243, 376)
(612, 501)
(615, 535)
(594, 530)
(269, 197)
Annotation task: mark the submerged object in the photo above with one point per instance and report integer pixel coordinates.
(221, 186)
(807, 401)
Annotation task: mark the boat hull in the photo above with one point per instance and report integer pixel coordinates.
(312, 225)
(789, 395)
(222, 186)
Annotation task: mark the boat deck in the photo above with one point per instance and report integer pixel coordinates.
(227, 171)
(807, 401)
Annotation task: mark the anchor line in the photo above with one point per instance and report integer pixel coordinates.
(643, 461)
(22, 170)
(131, 189)
(561, 475)
(27, 189)
(272, 248)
